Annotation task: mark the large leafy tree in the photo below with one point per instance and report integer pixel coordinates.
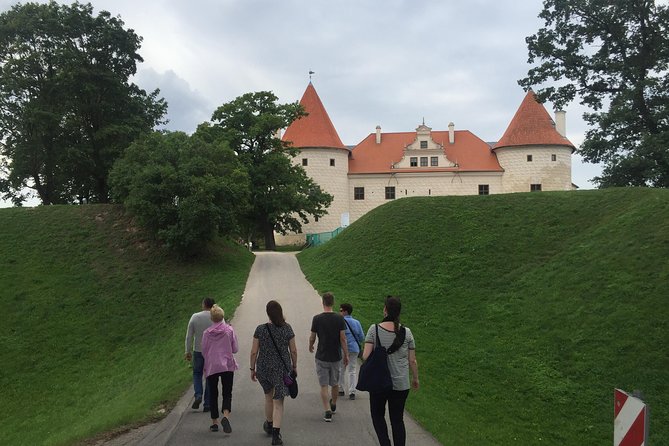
(614, 56)
(67, 108)
(183, 189)
(282, 195)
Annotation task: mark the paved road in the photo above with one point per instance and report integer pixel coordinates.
(273, 276)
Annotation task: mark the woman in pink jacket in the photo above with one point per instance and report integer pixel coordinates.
(219, 343)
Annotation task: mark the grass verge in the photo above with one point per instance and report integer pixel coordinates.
(93, 318)
(528, 309)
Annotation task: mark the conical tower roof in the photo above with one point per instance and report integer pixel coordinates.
(532, 125)
(315, 129)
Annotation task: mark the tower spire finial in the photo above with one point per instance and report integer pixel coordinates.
(310, 73)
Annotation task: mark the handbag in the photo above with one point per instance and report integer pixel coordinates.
(356, 339)
(374, 374)
(289, 379)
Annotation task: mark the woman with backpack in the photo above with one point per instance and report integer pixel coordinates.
(399, 343)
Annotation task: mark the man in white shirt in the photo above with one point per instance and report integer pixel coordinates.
(198, 323)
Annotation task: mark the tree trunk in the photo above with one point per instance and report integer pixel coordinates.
(268, 232)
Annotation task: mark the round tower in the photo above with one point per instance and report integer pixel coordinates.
(325, 159)
(534, 150)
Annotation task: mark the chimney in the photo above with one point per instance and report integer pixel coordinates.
(378, 134)
(451, 133)
(561, 122)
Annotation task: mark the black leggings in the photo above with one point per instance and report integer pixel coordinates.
(377, 406)
(226, 384)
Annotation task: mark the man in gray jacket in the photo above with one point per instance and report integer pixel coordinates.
(198, 323)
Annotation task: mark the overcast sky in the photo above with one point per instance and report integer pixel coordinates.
(377, 62)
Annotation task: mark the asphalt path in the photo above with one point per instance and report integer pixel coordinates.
(273, 276)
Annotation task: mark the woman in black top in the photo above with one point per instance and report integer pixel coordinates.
(268, 368)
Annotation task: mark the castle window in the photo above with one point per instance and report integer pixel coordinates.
(332, 162)
(535, 187)
(305, 162)
(484, 189)
(529, 158)
(413, 161)
(434, 161)
(553, 157)
(316, 218)
(358, 193)
(423, 144)
(390, 192)
(423, 161)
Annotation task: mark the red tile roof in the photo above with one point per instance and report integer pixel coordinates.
(468, 151)
(531, 125)
(316, 129)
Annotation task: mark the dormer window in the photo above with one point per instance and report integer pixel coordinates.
(423, 144)
(423, 161)
(413, 161)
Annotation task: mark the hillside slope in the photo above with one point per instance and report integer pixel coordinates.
(93, 318)
(528, 309)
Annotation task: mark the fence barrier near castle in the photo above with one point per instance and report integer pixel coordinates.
(322, 237)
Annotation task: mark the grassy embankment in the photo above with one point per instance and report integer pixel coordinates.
(93, 319)
(528, 309)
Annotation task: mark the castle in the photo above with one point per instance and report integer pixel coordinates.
(534, 154)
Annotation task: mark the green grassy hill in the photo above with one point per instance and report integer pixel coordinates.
(528, 309)
(92, 321)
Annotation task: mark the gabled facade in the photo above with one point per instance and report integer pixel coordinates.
(532, 155)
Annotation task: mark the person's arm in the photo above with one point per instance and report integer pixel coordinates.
(368, 350)
(312, 339)
(235, 344)
(190, 333)
(344, 345)
(205, 344)
(369, 344)
(254, 356)
(293, 353)
(413, 365)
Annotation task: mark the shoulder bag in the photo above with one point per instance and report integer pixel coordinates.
(289, 379)
(374, 374)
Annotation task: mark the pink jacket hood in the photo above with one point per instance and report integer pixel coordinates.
(219, 343)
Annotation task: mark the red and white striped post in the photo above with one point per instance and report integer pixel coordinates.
(630, 425)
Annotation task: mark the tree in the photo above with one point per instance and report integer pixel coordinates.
(67, 109)
(614, 55)
(183, 189)
(282, 195)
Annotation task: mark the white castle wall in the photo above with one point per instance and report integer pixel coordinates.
(333, 180)
(417, 184)
(519, 173)
(517, 176)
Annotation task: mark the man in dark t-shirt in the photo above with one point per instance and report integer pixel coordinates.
(330, 329)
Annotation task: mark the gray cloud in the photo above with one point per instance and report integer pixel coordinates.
(186, 107)
(387, 62)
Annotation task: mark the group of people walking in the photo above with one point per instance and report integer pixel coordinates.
(336, 339)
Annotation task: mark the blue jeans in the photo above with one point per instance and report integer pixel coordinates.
(198, 369)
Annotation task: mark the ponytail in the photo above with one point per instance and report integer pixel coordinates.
(393, 309)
